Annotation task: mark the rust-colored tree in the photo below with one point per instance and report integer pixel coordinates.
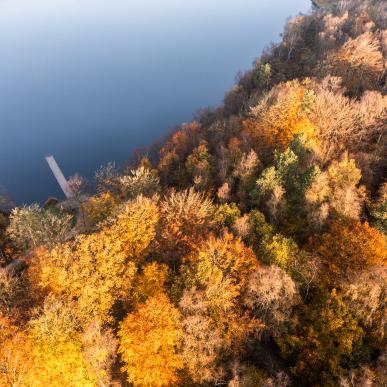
(349, 247)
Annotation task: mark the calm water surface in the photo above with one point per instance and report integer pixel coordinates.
(90, 80)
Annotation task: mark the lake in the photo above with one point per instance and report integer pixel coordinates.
(89, 80)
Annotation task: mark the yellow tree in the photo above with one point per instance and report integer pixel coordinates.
(57, 348)
(281, 115)
(99, 207)
(149, 282)
(16, 362)
(53, 351)
(149, 340)
(97, 270)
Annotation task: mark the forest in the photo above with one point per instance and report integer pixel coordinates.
(248, 248)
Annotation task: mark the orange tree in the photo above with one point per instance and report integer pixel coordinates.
(349, 247)
(280, 115)
(149, 339)
(220, 269)
(184, 218)
(226, 255)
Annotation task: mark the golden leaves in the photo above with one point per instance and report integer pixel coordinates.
(98, 269)
(149, 339)
(281, 115)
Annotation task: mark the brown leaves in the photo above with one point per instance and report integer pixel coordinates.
(271, 296)
(184, 219)
(359, 62)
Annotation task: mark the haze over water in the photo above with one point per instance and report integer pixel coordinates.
(90, 80)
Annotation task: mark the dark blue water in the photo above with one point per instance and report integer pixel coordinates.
(89, 80)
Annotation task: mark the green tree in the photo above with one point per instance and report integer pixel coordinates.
(378, 210)
(323, 340)
(282, 186)
(262, 75)
(34, 226)
(226, 214)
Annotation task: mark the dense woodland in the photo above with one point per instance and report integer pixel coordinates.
(247, 249)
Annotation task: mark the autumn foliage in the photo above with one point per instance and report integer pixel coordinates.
(281, 115)
(350, 247)
(149, 340)
(98, 269)
(246, 249)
